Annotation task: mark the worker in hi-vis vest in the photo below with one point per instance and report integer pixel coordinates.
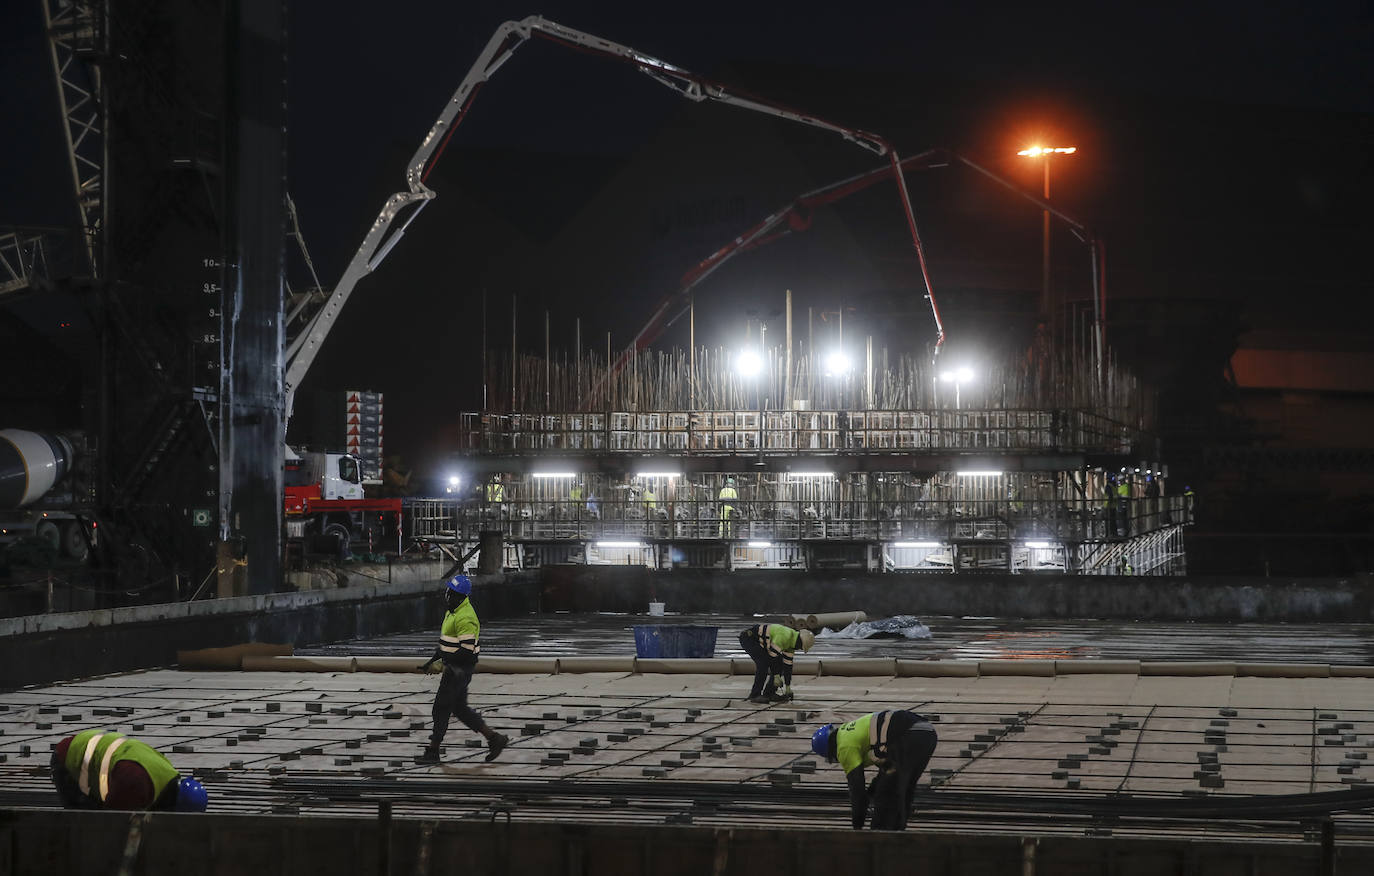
(102, 769)
(727, 508)
(496, 491)
(898, 743)
(770, 646)
(457, 658)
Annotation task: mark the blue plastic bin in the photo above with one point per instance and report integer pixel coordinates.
(660, 640)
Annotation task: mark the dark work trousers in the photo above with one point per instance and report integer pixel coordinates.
(452, 699)
(895, 787)
(763, 672)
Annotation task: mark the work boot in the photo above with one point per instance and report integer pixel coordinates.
(759, 699)
(495, 743)
(777, 697)
(430, 754)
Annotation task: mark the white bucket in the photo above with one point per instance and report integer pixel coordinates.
(656, 609)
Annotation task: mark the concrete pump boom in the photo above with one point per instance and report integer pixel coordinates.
(381, 238)
(796, 216)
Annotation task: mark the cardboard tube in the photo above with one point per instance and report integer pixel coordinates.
(858, 666)
(1284, 670)
(596, 664)
(1097, 667)
(1339, 671)
(836, 620)
(1016, 667)
(937, 668)
(687, 665)
(230, 657)
(302, 664)
(387, 664)
(1187, 668)
(537, 665)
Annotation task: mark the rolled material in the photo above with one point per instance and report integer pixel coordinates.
(856, 666)
(803, 667)
(302, 664)
(835, 620)
(536, 665)
(937, 668)
(1097, 667)
(685, 665)
(1339, 671)
(1284, 670)
(1187, 668)
(1016, 667)
(230, 657)
(387, 664)
(596, 664)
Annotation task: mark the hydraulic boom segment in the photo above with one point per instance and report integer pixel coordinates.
(381, 238)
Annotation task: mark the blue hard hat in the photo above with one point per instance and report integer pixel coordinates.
(191, 796)
(820, 740)
(460, 584)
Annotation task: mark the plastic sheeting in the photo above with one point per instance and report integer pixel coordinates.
(902, 626)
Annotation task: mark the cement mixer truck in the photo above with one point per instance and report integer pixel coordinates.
(45, 491)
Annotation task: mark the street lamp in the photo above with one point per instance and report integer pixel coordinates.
(958, 377)
(836, 364)
(749, 364)
(1044, 153)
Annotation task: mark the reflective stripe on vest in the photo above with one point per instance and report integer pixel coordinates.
(105, 763)
(83, 779)
(877, 734)
(452, 644)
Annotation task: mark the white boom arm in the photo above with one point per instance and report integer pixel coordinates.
(380, 238)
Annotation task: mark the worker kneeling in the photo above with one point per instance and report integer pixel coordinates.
(102, 769)
(898, 743)
(457, 657)
(771, 646)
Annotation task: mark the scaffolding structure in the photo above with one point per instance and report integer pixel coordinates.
(679, 460)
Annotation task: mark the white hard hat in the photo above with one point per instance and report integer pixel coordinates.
(807, 639)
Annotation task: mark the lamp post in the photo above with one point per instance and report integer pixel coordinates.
(1044, 153)
(958, 377)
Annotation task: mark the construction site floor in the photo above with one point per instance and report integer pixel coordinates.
(304, 742)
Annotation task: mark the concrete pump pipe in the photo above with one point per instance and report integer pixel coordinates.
(30, 464)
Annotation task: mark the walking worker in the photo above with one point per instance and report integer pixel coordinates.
(898, 743)
(102, 769)
(770, 646)
(457, 658)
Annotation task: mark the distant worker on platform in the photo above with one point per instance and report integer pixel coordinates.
(495, 495)
(1123, 505)
(771, 646)
(727, 508)
(102, 769)
(457, 658)
(898, 743)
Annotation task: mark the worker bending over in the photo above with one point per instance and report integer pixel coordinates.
(898, 743)
(457, 656)
(770, 646)
(102, 769)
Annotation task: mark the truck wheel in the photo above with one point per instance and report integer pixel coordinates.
(341, 535)
(74, 542)
(47, 531)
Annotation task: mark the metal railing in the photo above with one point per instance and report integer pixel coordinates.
(750, 431)
(766, 521)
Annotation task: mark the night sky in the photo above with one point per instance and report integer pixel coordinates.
(1226, 147)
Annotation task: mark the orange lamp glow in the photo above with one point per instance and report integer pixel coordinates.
(1037, 151)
